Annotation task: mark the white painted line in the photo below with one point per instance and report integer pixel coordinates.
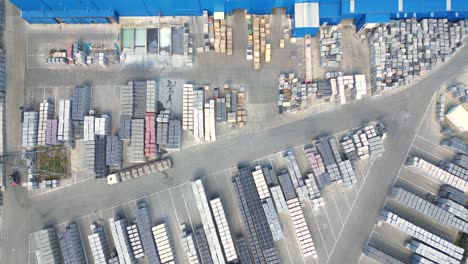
(287, 250)
(320, 232)
(337, 209)
(346, 198)
(186, 209)
(173, 207)
(83, 241)
(329, 224)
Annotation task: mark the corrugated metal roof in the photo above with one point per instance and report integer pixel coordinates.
(306, 15)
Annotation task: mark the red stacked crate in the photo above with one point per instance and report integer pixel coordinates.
(150, 134)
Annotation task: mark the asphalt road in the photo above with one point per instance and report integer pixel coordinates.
(405, 108)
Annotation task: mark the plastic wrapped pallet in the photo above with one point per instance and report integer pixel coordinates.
(151, 96)
(208, 222)
(81, 102)
(121, 240)
(137, 140)
(314, 192)
(421, 234)
(430, 210)
(126, 99)
(46, 112)
(272, 219)
(163, 243)
(150, 135)
(98, 244)
(174, 135)
(189, 246)
(125, 126)
(260, 183)
(114, 152)
(48, 249)
(278, 197)
(71, 245)
(30, 126)
(102, 125)
(135, 241)
(202, 246)
(306, 244)
(223, 230)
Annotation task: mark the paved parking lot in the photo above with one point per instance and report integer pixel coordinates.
(176, 206)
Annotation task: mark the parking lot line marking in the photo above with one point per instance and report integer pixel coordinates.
(29, 248)
(435, 145)
(83, 241)
(287, 250)
(320, 232)
(329, 223)
(426, 152)
(337, 209)
(352, 206)
(417, 186)
(173, 207)
(346, 198)
(186, 209)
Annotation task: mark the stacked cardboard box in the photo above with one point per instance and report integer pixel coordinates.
(210, 121)
(187, 107)
(241, 107)
(256, 41)
(229, 40)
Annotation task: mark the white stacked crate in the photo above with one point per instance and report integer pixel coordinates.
(431, 170)
(456, 170)
(360, 87)
(223, 229)
(421, 234)
(210, 121)
(260, 183)
(48, 249)
(198, 115)
(306, 244)
(278, 198)
(152, 96)
(46, 112)
(88, 128)
(457, 209)
(347, 172)
(430, 253)
(293, 169)
(163, 243)
(272, 219)
(30, 124)
(98, 245)
(188, 244)
(208, 223)
(314, 192)
(121, 241)
(64, 124)
(102, 125)
(187, 107)
(102, 59)
(135, 241)
(428, 209)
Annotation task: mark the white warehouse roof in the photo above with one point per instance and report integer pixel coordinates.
(306, 15)
(458, 116)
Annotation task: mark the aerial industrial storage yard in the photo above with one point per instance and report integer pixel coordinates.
(324, 131)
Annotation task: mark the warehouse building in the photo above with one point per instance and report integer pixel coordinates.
(307, 15)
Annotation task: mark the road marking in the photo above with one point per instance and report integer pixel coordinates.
(186, 209)
(173, 206)
(287, 250)
(320, 232)
(352, 206)
(337, 209)
(329, 223)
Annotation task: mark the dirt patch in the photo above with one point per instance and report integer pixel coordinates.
(53, 163)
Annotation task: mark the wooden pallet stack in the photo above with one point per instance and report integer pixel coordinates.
(256, 42)
(229, 40)
(220, 35)
(241, 112)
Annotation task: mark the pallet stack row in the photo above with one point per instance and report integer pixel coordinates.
(137, 140)
(347, 173)
(329, 161)
(46, 112)
(30, 125)
(440, 108)
(272, 219)
(198, 115)
(221, 110)
(306, 244)
(220, 35)
(360, 87)
(2, 76)
(88, 156)
(461, 160)
(163, 243)
(428, 209)
(223, 230)
(315, 161)
(452, 207)
(256, 42)
(150, 135)
(139, 99)
(210, 121)
(429, 253)
(135, 241)
(208, 223)
(81, 102)
(122, 244)
(102, 125)
(229, 40)
(260, 183)
(454, 194)
(162, 128)
(98, 244)
(278, 198)
(292, 95)
(456, 170)
(125, 126)
(48, 249)
(459, 91)
(189, 246)
(187, 107)
(202, 245)
(174, 141)
(114, 152)
(258, 233)
(314, 192)
(151, 96)
(241, 107)
(88, 128)
(456, 144)
(51, 132)
(379, 256)
(424, 167)
(143, 220)
(308, 59)
(421, 234)
(243, 250)
(126, 99)
(71, 245)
